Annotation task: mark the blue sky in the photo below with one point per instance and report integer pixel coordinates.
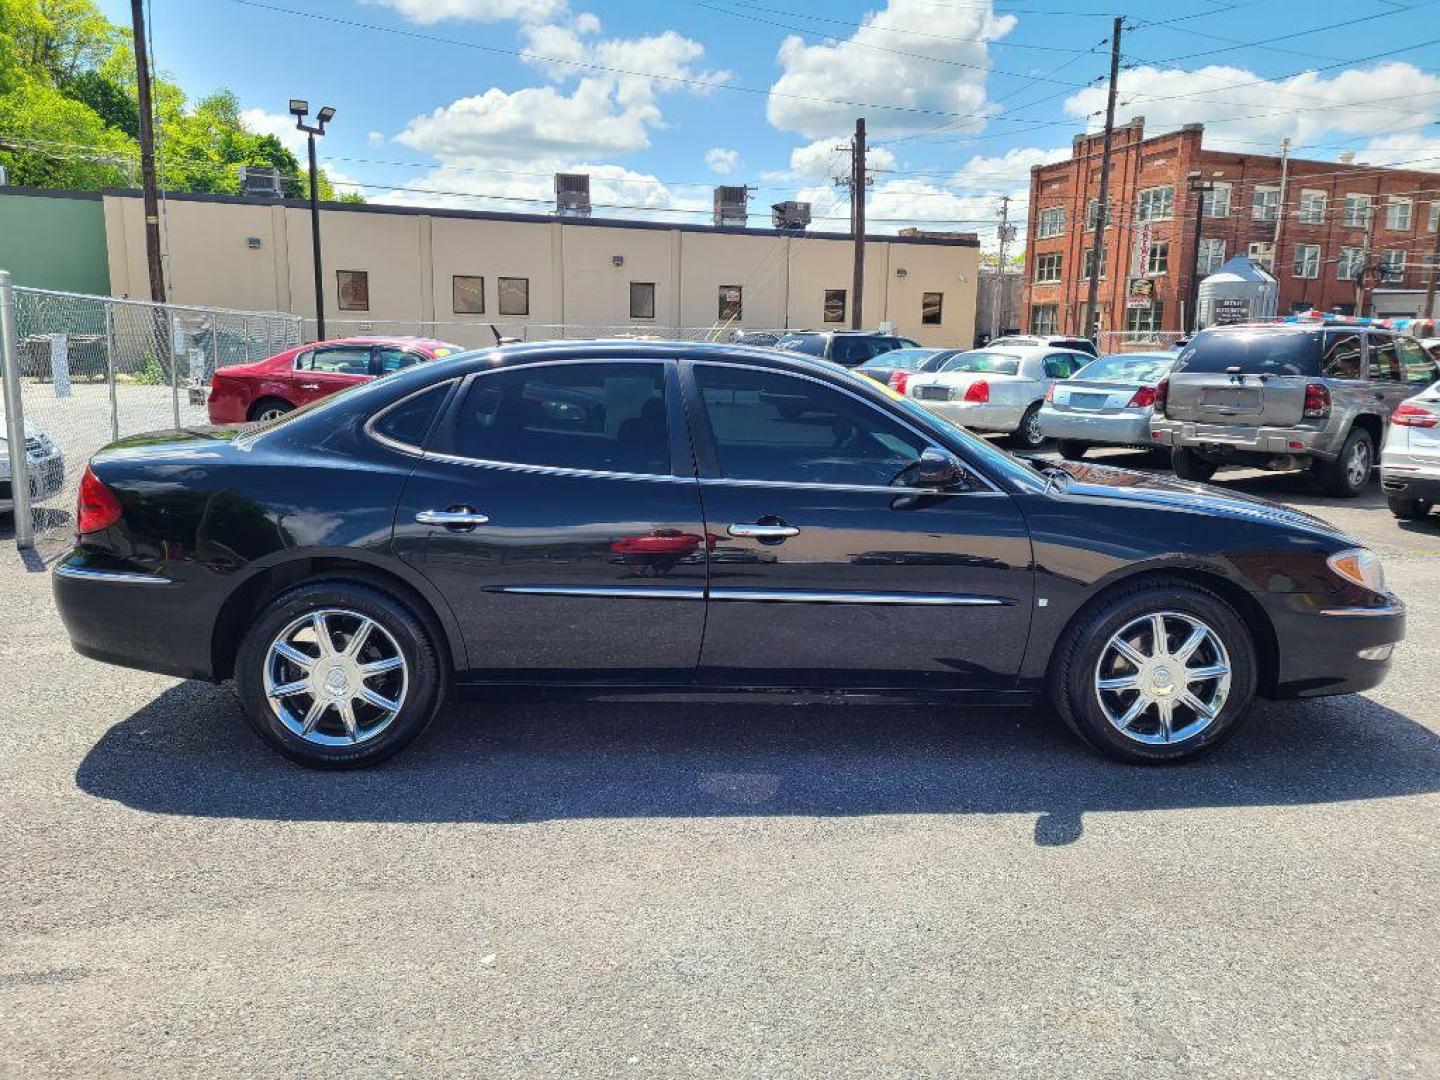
(475, 103)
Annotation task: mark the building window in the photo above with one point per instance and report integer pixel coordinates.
(1312, 207)
(1047, 267)
(1156, 204)
(1266, 204)
(1307, 260)
(1428, 264)
(354, 289)
(1159, 260)
(1392, 265)
(642, 299)
(1141, 320)
(1051, 222)
(467, 295)
(1215, 203)
(931, 305)
(1045, 319)
(1357, 211)
(1211, 256)
(732, 303)
(1092, 211)
(1351, 260)
(514, 295)
(1399, 214)
(1435, 216)
(1262, 254)
(835, 305)
(1090, 262)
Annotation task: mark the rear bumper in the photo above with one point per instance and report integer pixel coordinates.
(1230, 438)
(977, 415)
(1109, 429)
(1336, 650)
(1410, 476)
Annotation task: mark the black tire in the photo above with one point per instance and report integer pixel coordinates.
(1189, 465)
(1071, 450)
(424, 675)
(269, 408)
(1408, 509)
(1074, 668)
(1346, 477)
(1028, 435)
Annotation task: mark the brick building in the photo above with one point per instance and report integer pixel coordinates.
(1315, 243)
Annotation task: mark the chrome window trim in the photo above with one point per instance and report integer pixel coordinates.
(825, 596)
(118, 577)
(901, 420)
(806, 485)
(602, 591)
(396, 444)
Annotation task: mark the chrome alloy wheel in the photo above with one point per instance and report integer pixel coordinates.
(274, 412)
(335, 677)
(1163, 678)
(1357, 468)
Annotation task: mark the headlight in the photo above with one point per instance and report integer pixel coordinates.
(1361, 566)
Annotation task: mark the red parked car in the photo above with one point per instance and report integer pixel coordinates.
(306, 373)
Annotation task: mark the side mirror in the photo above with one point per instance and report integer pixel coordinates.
(938, 469)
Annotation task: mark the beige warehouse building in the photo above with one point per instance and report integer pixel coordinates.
(452, 273)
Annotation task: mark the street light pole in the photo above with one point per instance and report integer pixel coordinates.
(300, 109)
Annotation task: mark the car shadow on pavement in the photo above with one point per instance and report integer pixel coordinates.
(189, 752)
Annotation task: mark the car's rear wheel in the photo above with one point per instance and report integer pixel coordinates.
(1156, 673)
(269, 409)
(1189, 465)
(337, 674)
(1028, 435)
(1349, 474)
(1408, 509)
(1071, 450)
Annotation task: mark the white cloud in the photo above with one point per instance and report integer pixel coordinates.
(1007, 172)
(428, 12)
(282, 126)
(721, 160)
(1410, 149)
(342, 182)
(375, 138)
(944, 75)
(1239, 111)
(825, 159)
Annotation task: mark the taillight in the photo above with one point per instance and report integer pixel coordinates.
(978, 391)
(898, 381)
(1412, 415)
(1144, 398)
(1162, 395)
(1317, 401)
(97, 507)
(1050, 393)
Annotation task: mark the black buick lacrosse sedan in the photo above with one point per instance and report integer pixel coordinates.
(623, 517)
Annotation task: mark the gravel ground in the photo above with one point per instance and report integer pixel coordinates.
(667, 890)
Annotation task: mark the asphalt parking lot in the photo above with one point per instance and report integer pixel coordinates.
(719, 890)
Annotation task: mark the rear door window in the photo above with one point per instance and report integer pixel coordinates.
(1257, 352)
(814, 344)
(1342, 356)
(851, 350)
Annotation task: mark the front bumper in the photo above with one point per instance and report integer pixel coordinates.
(1233, 438)
(46, 477)
(1109, 429)
(1336, 650)
(976, 415)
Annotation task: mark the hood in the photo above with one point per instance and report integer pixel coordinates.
(1127, 485)
(31, 431)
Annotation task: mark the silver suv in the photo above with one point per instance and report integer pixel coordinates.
(1287, 396)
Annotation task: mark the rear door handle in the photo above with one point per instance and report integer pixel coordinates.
(763, 532)
(459, 518)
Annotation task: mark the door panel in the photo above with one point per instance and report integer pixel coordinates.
(328, 369)
(825, 568)
(575, 574)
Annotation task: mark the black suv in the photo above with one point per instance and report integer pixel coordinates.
(848, 347)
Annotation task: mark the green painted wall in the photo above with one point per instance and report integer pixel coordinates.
(54, 243)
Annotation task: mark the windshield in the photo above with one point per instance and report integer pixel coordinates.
(985, 363)
(1130, 368)
(1253, 352)
(809, 343)
(901, 359)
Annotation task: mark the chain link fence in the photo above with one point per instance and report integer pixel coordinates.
(1123, 341)
(93, 369)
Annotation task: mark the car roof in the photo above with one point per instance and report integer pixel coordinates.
(405, 340)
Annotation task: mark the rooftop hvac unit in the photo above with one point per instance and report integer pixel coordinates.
(790, 215)
(572, 194)
(260, 181)
(732, 206)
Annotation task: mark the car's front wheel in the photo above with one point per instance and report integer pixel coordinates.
(337, 674)
(1159, 672)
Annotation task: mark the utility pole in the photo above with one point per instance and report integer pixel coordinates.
(1365, 258)
(1198, 187)
(147, 154)
(997, 296)
(1102, 215)
(1280, 210)
(857, 194)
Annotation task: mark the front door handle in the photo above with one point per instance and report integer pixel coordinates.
(309, 386)
(461, 517)
(763, 532)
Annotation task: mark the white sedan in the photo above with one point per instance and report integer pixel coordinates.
(1410, 462)
(997, 389)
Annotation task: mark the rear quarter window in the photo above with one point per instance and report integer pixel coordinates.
(1258, 353)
